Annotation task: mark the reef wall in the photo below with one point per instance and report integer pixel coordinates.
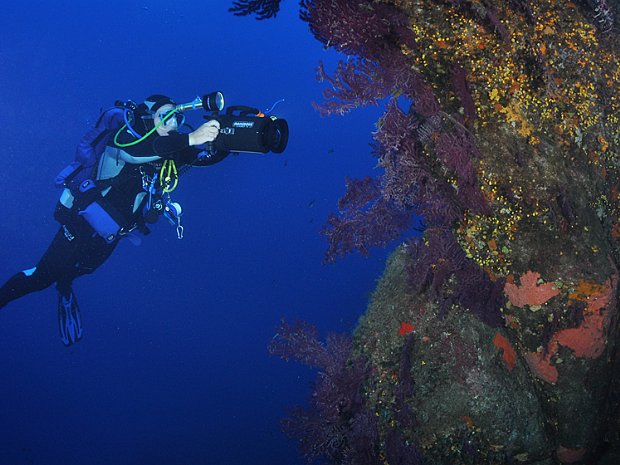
(524, 131)
(492, 338)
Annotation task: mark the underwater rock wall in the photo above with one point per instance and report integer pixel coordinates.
(502, 133)
(493, 337)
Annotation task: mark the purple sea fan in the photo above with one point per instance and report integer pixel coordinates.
(425, 102)
(484, 10)
(525, 7)
(372, 34)
(299, 341)
(337, 426)
(454, 150)
(316, 437)
(457, 150)
(404, 389)
(362, 28)
(408, 183)
(359, 230)
(396, 130)
(479, 294)
(354, 84)
(460, 86)
(439, 258)
(338, 393)
(407, 180)
(439, 209)
(360, 192)
(434, 260)
(364, 440)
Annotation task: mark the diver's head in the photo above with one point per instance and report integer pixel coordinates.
(168, 123)
(157, 108)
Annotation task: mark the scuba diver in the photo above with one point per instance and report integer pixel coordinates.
(120, 182)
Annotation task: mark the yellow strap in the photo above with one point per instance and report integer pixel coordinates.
(168, 176)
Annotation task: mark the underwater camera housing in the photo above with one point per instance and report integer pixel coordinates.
(245, 129)
(242, 128)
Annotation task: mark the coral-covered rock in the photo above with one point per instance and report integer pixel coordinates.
(474, 395)
(502, 133)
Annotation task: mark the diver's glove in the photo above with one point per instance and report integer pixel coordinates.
(69, 318)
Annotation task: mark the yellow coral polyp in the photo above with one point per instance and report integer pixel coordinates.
(546, 82)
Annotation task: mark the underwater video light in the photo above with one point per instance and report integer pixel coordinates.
(210, 102)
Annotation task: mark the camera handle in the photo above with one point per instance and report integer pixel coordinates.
(210, 146)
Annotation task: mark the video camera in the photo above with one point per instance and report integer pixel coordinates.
(242, 128)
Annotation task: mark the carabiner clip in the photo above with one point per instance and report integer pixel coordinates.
(173, 212)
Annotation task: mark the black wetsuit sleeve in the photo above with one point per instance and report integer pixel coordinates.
(174, 146)
(168, 146)
(187, 155)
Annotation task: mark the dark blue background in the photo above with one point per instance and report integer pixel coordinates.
(173, 368)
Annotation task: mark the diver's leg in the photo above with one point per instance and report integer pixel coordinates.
(58, 261)
(21, 284)
(91, 253)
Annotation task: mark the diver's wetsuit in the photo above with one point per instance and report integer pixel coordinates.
(74, 251)
(77, 249)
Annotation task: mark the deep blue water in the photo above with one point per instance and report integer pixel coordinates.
(173, 368)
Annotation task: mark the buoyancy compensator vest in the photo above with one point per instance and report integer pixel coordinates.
(83, 192)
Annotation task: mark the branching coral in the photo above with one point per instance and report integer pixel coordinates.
(353, 84)
(361, 229)
(263, 9)
(603, 17)
(366, 29)
(337, 426)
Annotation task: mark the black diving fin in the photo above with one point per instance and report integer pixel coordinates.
(69, 318)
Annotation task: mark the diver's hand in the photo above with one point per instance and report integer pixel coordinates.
(205, 133)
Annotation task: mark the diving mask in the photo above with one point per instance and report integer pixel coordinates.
(177, 119)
